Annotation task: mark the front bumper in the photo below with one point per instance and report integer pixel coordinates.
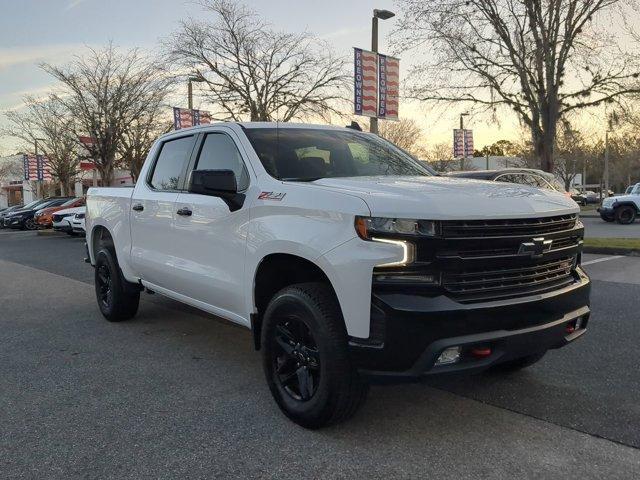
(409, 332)
(608, 212)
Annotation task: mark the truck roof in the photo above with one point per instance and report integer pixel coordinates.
(261, 125)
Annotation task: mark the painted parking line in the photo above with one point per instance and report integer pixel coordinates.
(603, 259)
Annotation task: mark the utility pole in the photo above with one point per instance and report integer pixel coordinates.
(384, 15)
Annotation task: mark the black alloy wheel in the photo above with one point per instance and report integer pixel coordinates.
(30, 224)
(296, 364)
(104, 286)
(625, 215)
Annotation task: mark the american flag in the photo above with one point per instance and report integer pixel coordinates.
(388, 86)
(365, 66)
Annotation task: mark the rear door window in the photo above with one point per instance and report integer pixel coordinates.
(168, 170)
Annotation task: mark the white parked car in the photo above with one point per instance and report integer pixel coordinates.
(78, 222)
(347, 258)
(62, 219)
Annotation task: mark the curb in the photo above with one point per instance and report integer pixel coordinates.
(629, 252)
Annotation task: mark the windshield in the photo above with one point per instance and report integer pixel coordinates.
(69, 202)
(309, 154)
(32, 204)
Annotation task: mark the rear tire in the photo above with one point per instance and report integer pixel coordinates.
(117, 299)
(519, 363)
(625, 215)
(306, 359)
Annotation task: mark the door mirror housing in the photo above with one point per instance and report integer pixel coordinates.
(217, 183)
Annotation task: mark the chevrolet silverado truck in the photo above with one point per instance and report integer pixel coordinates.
(623, 209)
(348, 260)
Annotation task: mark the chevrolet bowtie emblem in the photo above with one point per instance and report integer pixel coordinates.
(535, 248)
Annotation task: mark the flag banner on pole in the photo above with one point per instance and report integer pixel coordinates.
(25, 166)
(185, 118)
(458, 143)
(388, 87)
(40, 167)
(365, 76)
(468, 143)
(462, 143)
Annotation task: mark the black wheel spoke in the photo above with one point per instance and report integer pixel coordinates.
(305, 383)
(297, 360)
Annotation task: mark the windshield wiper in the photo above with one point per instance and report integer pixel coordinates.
(306, 179)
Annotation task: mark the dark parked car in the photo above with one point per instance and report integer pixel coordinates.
(8, 211)
(523, 176)
(24, 217)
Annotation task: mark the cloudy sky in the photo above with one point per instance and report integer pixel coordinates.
(34, 31)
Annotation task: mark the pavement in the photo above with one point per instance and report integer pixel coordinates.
(596, 227)
(177, 393)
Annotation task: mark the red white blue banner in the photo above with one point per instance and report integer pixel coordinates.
(462, 143)
(185, 118)
(36, 168)
(388, 87)
(365, 85)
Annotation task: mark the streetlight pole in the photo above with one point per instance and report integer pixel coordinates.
(384, 15)
(190, 90)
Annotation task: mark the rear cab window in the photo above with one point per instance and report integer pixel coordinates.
(168, 170)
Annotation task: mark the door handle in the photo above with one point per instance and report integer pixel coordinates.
(185, 212)
(138, 207)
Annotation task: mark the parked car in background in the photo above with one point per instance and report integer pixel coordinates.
(623, 209)
(77, 224)
(44, 217)
(7, 211)
(61, 220)
(24, 218)
(523, 176)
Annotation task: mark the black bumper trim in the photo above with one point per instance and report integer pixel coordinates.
(506, 345)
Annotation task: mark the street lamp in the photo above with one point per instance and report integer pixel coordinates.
(383, 15)
(190, 90)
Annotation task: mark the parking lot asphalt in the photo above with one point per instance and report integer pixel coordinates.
(176, 393)
(597, 228)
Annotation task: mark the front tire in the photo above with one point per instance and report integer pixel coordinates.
(625, 215)
(30, 224)
(306, 359)
(117, 299)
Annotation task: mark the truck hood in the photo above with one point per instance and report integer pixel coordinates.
(447, 198)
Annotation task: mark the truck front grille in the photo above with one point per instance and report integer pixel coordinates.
(483, 284)
(507, 227)
(484, 260)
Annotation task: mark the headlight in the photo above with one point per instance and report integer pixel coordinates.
(369, 227)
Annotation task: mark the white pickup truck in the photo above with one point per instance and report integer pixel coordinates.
(349, 260)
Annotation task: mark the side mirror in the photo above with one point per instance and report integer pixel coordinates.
(218, 183)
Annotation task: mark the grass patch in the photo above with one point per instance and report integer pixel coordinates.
(633, 243)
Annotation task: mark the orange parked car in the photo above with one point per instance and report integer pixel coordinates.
(44, 217)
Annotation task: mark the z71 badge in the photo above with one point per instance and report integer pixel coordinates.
(271, 196)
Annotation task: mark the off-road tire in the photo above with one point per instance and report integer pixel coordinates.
(625, 214)
(339, 391)
(119, 300)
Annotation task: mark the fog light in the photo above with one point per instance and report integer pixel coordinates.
(449, 355)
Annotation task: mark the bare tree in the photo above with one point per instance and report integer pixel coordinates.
(440, 158)
(541, 59)
(406, 134)
(48, 121)
(106, 92)
(254, 72)
(140, 135)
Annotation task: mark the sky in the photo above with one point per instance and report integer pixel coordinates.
(52, 31)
